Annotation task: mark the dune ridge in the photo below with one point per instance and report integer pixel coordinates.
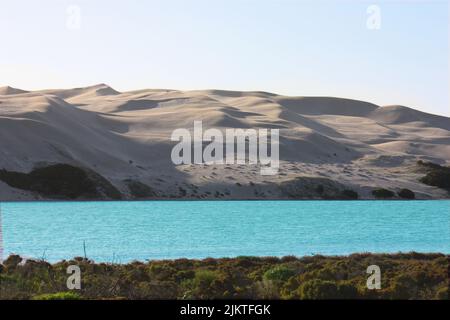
(125, 136)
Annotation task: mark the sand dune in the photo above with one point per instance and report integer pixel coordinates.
(126, 135)
(82, 93)
(10, 90)
(401, 114)
(327, 105)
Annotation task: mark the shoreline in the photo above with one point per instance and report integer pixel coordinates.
(207, 258)
(218, 200)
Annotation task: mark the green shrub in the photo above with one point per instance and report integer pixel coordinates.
(205, 277)
(406, 194)
(381, 193)
(318, 289)
(279, 273)
(183, 275)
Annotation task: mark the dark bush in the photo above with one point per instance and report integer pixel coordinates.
(320, 189)
(437, 175)
(381, 193)
(62, 181)
(350, 194)
(406, 194)
(440, 179)
(317, 289)
(347, 291)
(289, 258)
(12, 262)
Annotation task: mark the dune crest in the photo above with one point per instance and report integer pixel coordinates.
(7, 90)
(125, 136)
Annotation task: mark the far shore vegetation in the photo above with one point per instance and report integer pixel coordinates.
(69, 182)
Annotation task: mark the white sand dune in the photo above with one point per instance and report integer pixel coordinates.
(127, 136)
(401, 114)
(82, 93)
(10, 91)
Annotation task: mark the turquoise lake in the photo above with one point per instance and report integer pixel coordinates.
(126, 231)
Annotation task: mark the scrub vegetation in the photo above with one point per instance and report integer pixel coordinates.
(403, 276)
(62, 181)
(436, 175)
(382, 193)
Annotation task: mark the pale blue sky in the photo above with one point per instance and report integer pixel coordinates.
(285, 46)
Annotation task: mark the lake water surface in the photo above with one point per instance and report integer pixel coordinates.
(125, 231)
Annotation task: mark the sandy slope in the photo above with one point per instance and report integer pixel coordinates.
(127, 136)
